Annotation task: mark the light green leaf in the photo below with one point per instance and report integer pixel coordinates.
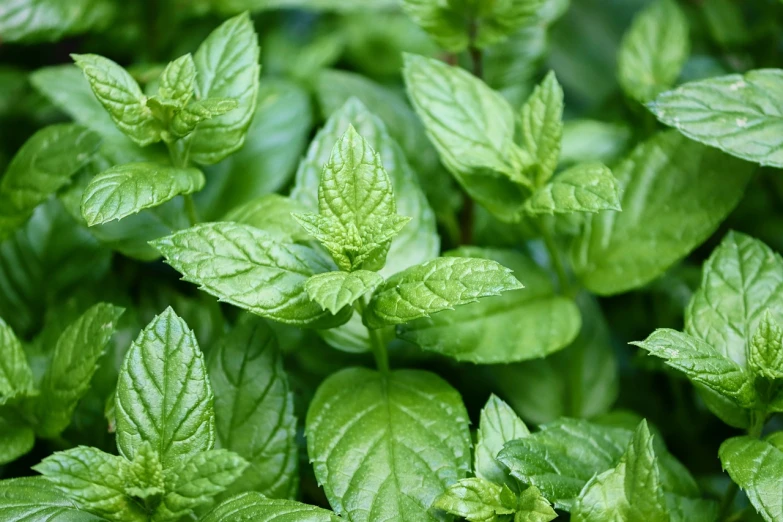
(541, 128)
(445, 22)
(272, 214)
(739, 114)
(258, 508)
(702, 363)
(33, 21)
(163, 395)
(226, 67)
(588, 187)
(477, 500)
(254, 408)
(74, 362)
(511, 327)
(35, 499)
(188, 118)
(178, 80)
(16, 437)
(674, 195)
(251, 269)
(436, 285)
(410, 429)
(472, 127)
(498, 424)
(533, 507)
(653, 50)
(334, 290)
(16, 377)
(128, 189)
(757, 467)
(685, 509)
(121, 96)
(593, 141)
(92, 479)
(143, 476)
(765, 357)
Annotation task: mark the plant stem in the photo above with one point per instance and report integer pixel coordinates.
(376, 341)
(758, 419)
(556, 259)
(190, 208)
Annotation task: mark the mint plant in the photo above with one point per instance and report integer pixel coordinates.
(435, 261)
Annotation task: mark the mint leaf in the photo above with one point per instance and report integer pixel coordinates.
(589, 187)
(272, 214)
(16, 377)
(92, 479)
(477, 500)
(188, 118)
(16, 436)
(765, 357)
(73, 364)
(143, 476)
(407, 461)
(674, 195)
(653, 51)
(541, 128)
(121, 96)
(32, 21)
(533, 507)
(335, 290)
(511, 327)
(445, 22)
(436, 285)
(254, 408)
(587, 140)
(237, 263)
(498, 425)
(255, 506)
(757, 467)
(38, 500)
(128, 189)
(163, 396)
(178, 80)
(226, 67)
(739, 114)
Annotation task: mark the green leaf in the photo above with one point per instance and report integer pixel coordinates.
(143, 476)
(685, 509)
(410, 429)
(436, 285)
(16, 377)
(121, 96)
(38, 500)
(675, 193)
(92, 479)
(588, 187)
(765, 357)
(498, 425)
(258, 508)
(533, 507)
(33, 21)
(653, 51)
(16, 437)
(541, 128)
(272, 214)
(188, 118)
(73, 364)
(445, 22)
(128, 189)
(254, 408)
(472, 127)
(335, 290)
(702, 363)
(226, 67)
(477, 500)
(511, 327)
(163, 395)
(757, 467)
(631, 491)
(251, 269)
(593, 141)
(738, 114)
(178, 80)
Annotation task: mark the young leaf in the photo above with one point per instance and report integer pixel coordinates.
(254, 408)
(589, 187)
(188, 118)
(127, 189)
(163, 395)
(92, 479)
(36, 499)
(335, 290)
(630, 491)
(757, 467)
(674, 195)
(653, 50)
(74, 362)
(436, 285)
(16, 436)
(121, 96)
(738, 114)
(411, 430)
(498, 425)
(257, 507)
(143, 476)
(178, 80)
(226, 67)
(533, 507)
(766, 349)
(541, 128)
(477, 500)
(251, 269)
(16, 377)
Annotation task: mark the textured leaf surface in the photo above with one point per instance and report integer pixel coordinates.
(258, 508)
(477, 500)
(272, 214)
(757, 467)
(740, 115)
(674, 194)
(541, 128)
(533, 507)
(334, 290)
(38, 500)
(254, 408)
(163, 395)
(766, 349)
(589, 187)
(653, 50)
(251, 269)
(31, 21)
(16, 377)
(127, 189)
(186, 120)
(436, 285)
(384, 447)
(178, 80)
(498, 425)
